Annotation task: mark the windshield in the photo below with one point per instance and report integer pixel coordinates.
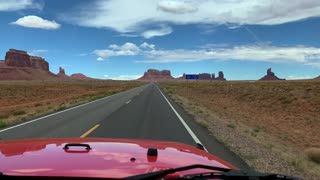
(238, 81)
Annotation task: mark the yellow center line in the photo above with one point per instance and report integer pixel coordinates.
(89, 131)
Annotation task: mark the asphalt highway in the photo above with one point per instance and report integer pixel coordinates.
(144, 112)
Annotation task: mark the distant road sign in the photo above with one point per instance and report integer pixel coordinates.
(192, 76)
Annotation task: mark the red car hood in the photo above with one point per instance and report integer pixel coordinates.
(110, 158)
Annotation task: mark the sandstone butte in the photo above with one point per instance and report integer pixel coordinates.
(270, 76)
(19, 65)
(156, 75)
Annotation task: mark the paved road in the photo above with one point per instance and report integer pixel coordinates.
(143, 112)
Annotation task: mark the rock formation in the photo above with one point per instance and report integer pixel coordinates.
(206, 76)
(153, 74)
(220, 77)
(18, 58)
(18, 65)
(79, 76)
(62, 73)
(39, 63)
(270, 76)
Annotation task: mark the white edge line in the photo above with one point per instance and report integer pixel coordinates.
(194, 137)
(128, 102)
(6, 129)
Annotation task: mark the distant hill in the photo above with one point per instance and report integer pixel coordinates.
(80, 76)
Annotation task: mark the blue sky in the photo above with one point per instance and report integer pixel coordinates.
(121, 39)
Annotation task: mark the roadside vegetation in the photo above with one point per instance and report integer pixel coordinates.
(273, 126)
(25, 100)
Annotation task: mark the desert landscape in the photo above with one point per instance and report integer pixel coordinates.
(29, 89)
(209, 89)
(24, 100)
(273, 125)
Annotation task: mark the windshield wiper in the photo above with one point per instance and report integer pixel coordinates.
(226, 174)
(163, 173)
(239, 175)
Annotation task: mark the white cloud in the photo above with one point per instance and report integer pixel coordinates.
(314, 64)
(157, 32)
(128, 35)
(147, 45)
(127, 49)
(127, 16)
(100, 59)
(234, 27)
(214, 46)
(177, 6)
(264, 52)
(14, 5)
(106, 75)
(37, 52)
(267, 53)
(126, 77)
(36, 22)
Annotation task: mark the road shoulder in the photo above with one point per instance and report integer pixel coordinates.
(211, 143)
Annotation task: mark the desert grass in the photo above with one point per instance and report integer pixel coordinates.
(280, 117)
(24, 100)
